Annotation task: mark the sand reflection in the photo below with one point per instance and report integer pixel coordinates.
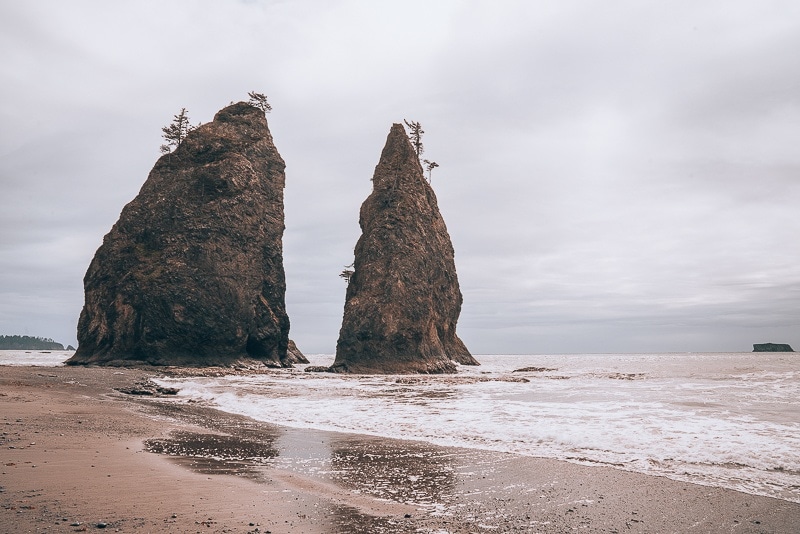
(234, 445)
(404, 471)
(365, 483)
(216, 454)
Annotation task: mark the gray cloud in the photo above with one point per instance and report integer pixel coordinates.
(615, 176)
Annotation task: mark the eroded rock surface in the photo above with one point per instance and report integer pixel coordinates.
(192, 272)
(293, 354)
(403, 300)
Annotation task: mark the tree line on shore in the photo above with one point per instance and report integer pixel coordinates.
(28, 343)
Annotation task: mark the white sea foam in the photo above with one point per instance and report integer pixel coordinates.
(729, 420)
(48, 358)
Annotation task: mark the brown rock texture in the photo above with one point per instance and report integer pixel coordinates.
(294, 355)
(403, 300)
(192, 272)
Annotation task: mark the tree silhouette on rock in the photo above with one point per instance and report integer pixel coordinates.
(176, 132)
(415, 132)
(259, 100)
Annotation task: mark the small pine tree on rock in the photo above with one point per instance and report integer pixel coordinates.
(415, 135)
(259, 100)
(177, 131)
(429, 166)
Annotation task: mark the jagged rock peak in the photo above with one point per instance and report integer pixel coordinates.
(192, 272)
(403, 299)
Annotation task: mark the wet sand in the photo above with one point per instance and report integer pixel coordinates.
(78, 455)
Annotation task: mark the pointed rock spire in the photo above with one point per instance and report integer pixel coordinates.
(192, 272)
(403, 299)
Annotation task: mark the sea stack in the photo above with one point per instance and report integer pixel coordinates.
(192, 272)
(403, 298)
(772, 347)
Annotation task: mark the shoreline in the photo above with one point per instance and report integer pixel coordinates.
(75, 455)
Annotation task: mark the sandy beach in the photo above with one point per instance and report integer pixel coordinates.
(79, 455)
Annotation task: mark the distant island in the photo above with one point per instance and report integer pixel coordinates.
(28, 343)
(772, 347)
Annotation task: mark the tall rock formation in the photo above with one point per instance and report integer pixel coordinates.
(403, 300)
(192, 272)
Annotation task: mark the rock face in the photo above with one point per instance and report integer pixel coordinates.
(403, 300)
(772, 347)
(293, 354)
(192, 272)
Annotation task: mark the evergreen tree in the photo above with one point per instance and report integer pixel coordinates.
(347, 273)
(259, 100)
(176, 132)
(415, 135)
(429, 166)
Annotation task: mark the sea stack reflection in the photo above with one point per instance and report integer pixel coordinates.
(403, 298)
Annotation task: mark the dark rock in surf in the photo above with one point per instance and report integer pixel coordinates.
(403, 299)
(293, 354)
(772, 347)
(148, 388)
(192, 272)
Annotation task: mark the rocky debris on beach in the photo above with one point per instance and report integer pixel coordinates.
(403, 298)
(192, 272)
(147, 387)
(317, 369)
(534, 370)
(772, 347)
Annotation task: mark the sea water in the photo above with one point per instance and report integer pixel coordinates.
(719, 419)
(722, 419)
(46, 358)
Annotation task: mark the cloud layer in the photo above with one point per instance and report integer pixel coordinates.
(615, 176)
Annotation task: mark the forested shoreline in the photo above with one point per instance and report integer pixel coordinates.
(28, 343)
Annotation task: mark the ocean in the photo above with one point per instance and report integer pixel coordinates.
(730, 420)
(39, 358)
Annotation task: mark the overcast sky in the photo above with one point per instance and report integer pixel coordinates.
(616, 176)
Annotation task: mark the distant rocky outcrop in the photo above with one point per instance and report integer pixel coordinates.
(772, 347)
(192, 272)
(29, 343)
(403, 298)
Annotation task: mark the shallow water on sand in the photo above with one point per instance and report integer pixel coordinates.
(723, 419)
